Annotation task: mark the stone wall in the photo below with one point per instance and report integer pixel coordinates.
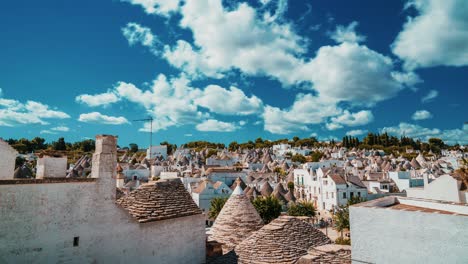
(51, 167)
(7, 160)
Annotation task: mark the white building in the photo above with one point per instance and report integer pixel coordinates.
(157, 151)
(51, 167)
(407, 230)
(327, 188)
(444, 188)
(403, 180)
(323, 164)
(77, 220)
(7, 160)
(225, 174)
(207, 191)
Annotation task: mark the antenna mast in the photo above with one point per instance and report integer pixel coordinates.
(150, 119)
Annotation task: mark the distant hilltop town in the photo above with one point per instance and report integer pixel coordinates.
(284, 201)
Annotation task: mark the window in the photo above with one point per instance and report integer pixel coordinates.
(319, 190)
(359, 194)
(76, 241)
(327, 195)
(332, 195)
(344, 195)
(325, 182)
(351, 194)
(302, 179)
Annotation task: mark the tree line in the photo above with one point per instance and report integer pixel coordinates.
(36, 144)
(382, 141)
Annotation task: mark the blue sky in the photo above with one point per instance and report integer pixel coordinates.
(233, 70)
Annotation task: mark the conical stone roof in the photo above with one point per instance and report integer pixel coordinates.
(236, 221)
(284, 240)
(266, 189)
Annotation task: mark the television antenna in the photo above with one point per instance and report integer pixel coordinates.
(150, 119)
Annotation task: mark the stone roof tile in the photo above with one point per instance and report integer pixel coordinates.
(162, 200)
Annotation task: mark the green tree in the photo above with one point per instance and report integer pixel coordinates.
(301, 209)
(215, 207)
(291, 186)
(298, 158)
(341, 218)
(316, 156)
(133, 147)
(59, 144)
(233, 146)
(268, 208)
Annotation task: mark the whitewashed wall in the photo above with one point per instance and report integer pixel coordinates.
(7, 160)
(384, 235)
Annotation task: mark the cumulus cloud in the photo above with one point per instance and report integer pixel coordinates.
(212, 125)
(436, 36)
(354, 73)
(231, 101)
(98, 118)
(347, 118)
(347, 34)
(306, 110)
(13, 112)
(430, 96)
(174, 102)
(240, 38)
(159, 7)
(450, 136)
(102, 99)
(421, 115)
(355, 133)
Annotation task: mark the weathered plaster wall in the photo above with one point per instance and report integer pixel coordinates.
(7, 160)
(51, 167)
(382, 235)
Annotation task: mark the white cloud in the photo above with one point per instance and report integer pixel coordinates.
(436, 36)
(98, 118)
(103, 99)
(355, 133)
(231, 101)
(354, 73)
(421, 115)
(306, 109)
(137, 34)
(347, 118)
(411, 130)
(13, 112)
(347, 34)
(47, 132)
(55, 130)
(430, 96)
(61, 129)
(225, 39)
(216, 126)
(159, 7)
(173, 102)
(450, 136)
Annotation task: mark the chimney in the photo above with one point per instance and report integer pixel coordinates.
(104, 164)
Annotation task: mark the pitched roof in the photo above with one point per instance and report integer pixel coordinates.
(236, 221)
(337, 179)
(284, 240)
(165, 199)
